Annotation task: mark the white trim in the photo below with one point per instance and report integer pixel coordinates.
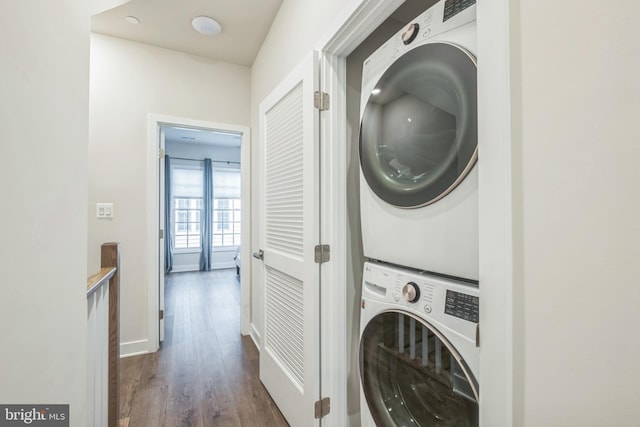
(334, 229)
(255, 336)
(196, 267)
(185, 268)
(223, 265)
(154, 122)
(357, 22)
(349, 30)
(500, 332)
(134, 348)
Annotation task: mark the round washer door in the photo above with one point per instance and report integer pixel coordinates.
(419, 128)
(412, 376)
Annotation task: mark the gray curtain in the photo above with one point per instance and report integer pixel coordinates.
(168, 229)
(206, 221)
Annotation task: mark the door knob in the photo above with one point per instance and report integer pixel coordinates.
(259, 255)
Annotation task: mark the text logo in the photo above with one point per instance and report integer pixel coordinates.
(34, 415)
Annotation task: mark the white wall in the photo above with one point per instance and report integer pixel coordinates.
(577, 184)
(189, 260)
(44, 82)
(297, 28)
(128, 81)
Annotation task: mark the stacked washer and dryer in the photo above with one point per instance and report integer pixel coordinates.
(419, 207)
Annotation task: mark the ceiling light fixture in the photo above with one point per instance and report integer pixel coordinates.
(132, 20)
(207, 26)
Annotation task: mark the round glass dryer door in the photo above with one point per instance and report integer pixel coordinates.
(419, 129)
(412, 376)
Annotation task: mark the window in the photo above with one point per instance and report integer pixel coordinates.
(226, 207)
(187, 206)
(187, 213)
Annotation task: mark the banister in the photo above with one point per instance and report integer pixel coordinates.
(110, 273)
(100, 278)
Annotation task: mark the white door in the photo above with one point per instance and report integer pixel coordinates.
(290, 353)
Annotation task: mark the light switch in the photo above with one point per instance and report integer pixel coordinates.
(104, 210)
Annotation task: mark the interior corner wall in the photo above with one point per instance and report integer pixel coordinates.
(44, 82)
(129, 80)
(294, 33)
(579, 188)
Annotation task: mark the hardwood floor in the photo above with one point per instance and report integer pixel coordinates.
(206, 373)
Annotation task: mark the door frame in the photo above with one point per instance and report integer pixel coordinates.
(500, 355)
(154, 122)
(353, 27)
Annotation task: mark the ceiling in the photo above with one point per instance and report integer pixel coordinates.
(167, 24)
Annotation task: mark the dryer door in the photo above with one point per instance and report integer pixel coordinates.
(411, 375)
(419, 130)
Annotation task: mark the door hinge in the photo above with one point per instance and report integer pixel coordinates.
(161, 153)
(162, 234)
(321, 100)
(161, 314)
(322, 254)
(322, 407)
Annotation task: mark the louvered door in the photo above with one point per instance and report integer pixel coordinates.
(289, 357)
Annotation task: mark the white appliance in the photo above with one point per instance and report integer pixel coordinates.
(419, 350)
(418, 144)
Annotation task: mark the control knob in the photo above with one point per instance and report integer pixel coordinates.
(411, 292)
(409, 33)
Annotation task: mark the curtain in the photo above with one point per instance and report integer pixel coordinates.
(206, 226)
(168, 229)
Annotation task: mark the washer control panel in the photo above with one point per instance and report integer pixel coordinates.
(462, 305)
(424, 293)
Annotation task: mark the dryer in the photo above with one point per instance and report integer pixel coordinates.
(419, 350)
(419, 144)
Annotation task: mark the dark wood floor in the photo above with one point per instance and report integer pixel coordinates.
(206, 373)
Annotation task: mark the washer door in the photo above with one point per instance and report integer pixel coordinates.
(419, 129)
(411, 375)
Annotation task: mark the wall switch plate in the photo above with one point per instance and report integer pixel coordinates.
(104, 210)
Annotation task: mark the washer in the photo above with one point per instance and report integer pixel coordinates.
(419, 144)
(419, 350)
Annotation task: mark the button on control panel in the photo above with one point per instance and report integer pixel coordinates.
(461, 305)
(453, 7)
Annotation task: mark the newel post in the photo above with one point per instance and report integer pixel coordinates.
(110, 257)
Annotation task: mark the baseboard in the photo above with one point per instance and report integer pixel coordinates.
(185, 268)
(222, 265)
(134, 348)
(196, 267)
(255, 336)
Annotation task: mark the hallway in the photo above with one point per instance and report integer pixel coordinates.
(206, 373)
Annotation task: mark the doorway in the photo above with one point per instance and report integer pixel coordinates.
(187, 142)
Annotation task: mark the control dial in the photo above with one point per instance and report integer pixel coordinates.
(411, 292)
(409, 33)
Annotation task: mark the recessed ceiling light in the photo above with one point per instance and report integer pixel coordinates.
(132, 20)
(207, 26)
